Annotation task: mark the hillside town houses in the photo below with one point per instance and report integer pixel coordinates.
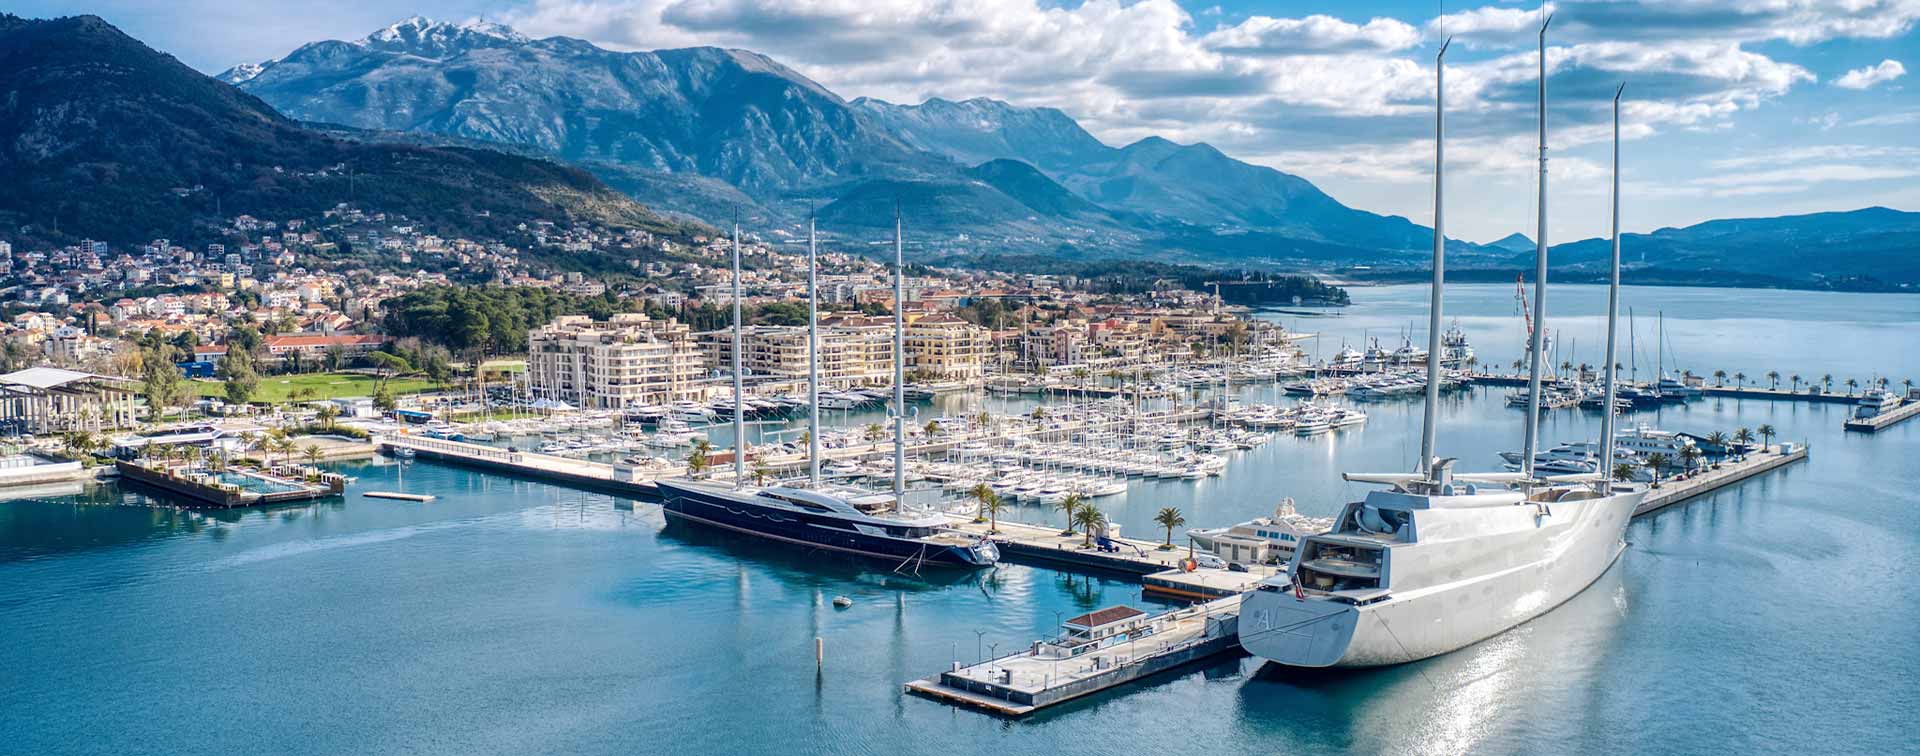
(317, 291)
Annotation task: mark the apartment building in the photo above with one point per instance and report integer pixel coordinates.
(855, 350)
(945, 347)
(629, 361)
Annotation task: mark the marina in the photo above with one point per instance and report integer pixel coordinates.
(623, 572)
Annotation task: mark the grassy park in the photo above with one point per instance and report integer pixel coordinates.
(282, 388)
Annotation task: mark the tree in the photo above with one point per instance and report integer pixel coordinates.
(1070, 505)
(1766, 433)
(160, 381)
(314, 454)
(1088, 518)
(1623, 471)
(697, 459)
(1657, 462)
(1719, 377)
(1773, 377)
(875, 432)
(1826, 383)
(1852, 384)
(283, 446)
(992, 505)
(1740, 380)
(236, 368)
(1718, 439)
(336, 358)
(327, 413)
(383, 397)
(981, 492)
(1690, 457)
(1169, 518)
(1743, 437)
(1796, 382)
(933, 427)
(760, 473)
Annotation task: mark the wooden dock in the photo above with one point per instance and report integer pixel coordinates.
(1884, 419)
(1707, 481)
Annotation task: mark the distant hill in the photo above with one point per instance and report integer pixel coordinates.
(1847, 250)
(104, 137)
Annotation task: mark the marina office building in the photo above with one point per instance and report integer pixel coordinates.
(630, 360)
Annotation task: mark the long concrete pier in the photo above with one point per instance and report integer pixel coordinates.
(1707, 481)
(1885, 419)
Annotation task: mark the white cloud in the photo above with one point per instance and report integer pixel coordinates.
(1866, 78)
(1261, 35)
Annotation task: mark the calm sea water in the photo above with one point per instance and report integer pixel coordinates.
(516, 617)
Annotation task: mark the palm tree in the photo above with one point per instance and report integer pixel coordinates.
(327, 413)
(1657, 462)
(875, 432)
(283, 446)
(1690, 457)
(1622, 471)
(993, 506)
(1169, 518)
(1719, 377)
(1909, 384)
(1088, 518)
(1070, 505)
(1743, 437)
(933, 427)
(1796, 382)
(1773, 377)
(1766, 434)
(1826, 383)
(1717, 438)
(314, 454)
(1852, 383)
(981, 492)
(1740, 380)
(697, 459)
(760, 473)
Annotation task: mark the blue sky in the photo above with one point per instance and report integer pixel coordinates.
(1734, 107)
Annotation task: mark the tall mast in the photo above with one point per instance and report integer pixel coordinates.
(1537, 350)
(739, 388)
(813, 354)
(899, 369)
(1429, 422)
(1613, 310)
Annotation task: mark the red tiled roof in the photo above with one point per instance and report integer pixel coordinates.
(1105, 616)
(304, 340)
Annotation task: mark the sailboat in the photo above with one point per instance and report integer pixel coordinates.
(1439, 560)
(846, 521)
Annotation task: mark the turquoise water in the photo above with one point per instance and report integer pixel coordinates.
(517, 617)
(254, 484)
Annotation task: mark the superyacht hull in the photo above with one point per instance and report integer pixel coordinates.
(1582, 542)
(743, 514)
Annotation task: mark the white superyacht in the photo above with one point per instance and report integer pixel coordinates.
(1440, 561)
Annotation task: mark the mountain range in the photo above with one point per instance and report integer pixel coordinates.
(104, 137)
(478, 124)
(734, 125)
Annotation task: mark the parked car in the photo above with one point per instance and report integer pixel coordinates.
(1210, 561)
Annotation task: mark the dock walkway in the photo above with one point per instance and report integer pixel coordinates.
(1884, 419)
(1672, 492)
(1159, 570)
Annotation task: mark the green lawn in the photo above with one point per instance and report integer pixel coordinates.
(280, 388)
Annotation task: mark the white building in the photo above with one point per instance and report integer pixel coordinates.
(629, 361)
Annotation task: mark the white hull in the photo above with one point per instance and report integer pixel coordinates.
(1526, 575)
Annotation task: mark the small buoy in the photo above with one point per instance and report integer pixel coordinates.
(842, 602)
